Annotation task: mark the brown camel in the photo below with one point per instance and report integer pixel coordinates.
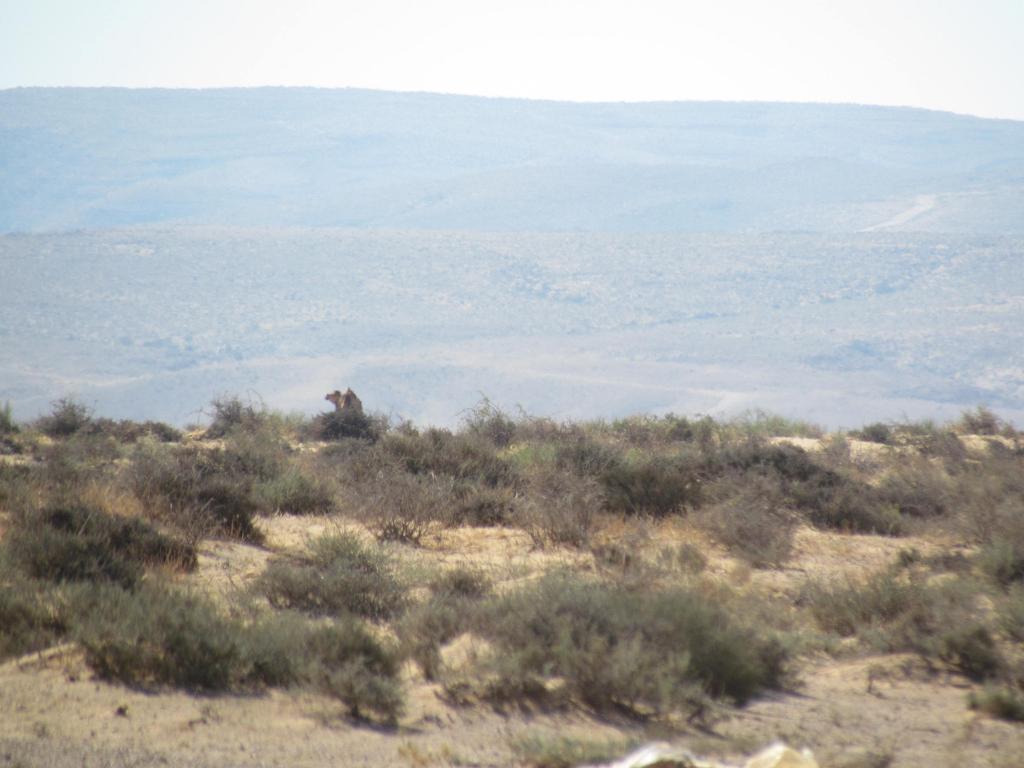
(346, 401)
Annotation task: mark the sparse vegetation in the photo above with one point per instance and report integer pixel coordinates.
(101, 519)
(564, 752)
(894, 611)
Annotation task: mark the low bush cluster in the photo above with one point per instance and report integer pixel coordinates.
(652, 651)
(896, 611)
(28, 619)
(77, 543)
(157, 636)
(340, 576)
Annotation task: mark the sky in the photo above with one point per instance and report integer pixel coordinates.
(962, 56)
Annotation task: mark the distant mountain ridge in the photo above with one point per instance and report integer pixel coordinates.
(96, 158)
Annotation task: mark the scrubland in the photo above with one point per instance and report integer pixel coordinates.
(271, 589)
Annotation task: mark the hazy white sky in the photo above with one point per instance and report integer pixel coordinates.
(959, 55)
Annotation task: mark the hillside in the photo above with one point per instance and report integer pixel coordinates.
(98, 158)
(839, 329)
(277, 591)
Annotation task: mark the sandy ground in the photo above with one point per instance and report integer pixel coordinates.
(53, 713)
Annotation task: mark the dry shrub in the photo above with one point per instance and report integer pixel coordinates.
(477, 506)
(462, 457)
(878, 432)
(752, 523)
(401, 507)
(202, 492)
(231, 414)
(980, 421)
(452, 607)
(917, 488)
(127, 431)
(895, 611)
(485, 420)
(66, 418)
(560, 509)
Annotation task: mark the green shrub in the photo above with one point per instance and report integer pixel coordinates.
(341, 575)
(340, 425)
(852, 607)
(341, 660)
(357, 669)
(7, 423)
(657, 486)
(931, 440)
(1011, 613)
(257, 454)
(979, 421)
(158, 637)
(970, 648)
(830, 499)
(761, 424)
(28, 620)
(618, 649)
(461, 583)
(1002, 560)
(67, 417)
(878, 432)
(16, 484)
(586, 457)
(846, 506)
(452, 606)
(487, 421)
(687, 557)
(1003, 701)
(293, 492)
(78, 543)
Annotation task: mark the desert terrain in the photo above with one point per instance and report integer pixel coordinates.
(889, 630)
